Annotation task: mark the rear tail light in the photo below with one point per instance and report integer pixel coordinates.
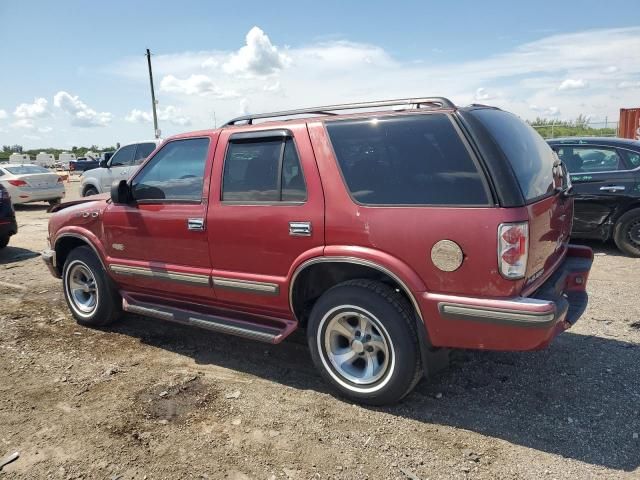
(513, 249)
(17, 183)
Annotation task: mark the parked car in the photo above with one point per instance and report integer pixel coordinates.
(31, 183)
(605, 173)
(83, 164)
(8, 225)
(386, 234)
(121, 165)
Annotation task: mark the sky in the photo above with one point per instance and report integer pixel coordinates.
(74, 72)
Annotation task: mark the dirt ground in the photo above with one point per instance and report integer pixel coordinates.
(144, 399)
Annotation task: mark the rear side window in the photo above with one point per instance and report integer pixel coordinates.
(530, 156)
(263, 170)
(407, 160)
(632, 158)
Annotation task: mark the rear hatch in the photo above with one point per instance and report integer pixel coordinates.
(543, 184)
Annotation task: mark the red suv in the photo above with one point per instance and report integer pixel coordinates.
(385, 233)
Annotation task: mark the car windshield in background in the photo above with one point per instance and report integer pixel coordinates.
(530, 156)
(406, 160)
(26, 169)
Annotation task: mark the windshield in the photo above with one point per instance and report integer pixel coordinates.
(26, 169)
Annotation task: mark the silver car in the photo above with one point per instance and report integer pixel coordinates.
(31, 183)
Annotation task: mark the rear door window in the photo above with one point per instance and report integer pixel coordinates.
(580, 159)
(530, 156)
(263, 170)
(406, 160)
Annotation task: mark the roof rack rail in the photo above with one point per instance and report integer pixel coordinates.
(440, 102)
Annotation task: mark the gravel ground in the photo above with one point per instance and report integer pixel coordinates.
(144, 399)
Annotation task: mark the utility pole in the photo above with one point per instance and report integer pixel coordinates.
(153, 97)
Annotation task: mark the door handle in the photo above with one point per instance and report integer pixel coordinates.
(196, 224)
(300, 229)
(612, 188)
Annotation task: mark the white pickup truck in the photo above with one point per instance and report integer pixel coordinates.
(124, 162)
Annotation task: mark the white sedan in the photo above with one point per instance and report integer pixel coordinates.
(31, 183)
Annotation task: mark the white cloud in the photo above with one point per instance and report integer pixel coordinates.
(196, 84)
(138, 116)
(25, 123)
(482, 94)
(3, 114)
(572, 84)
(546, 112)
(258, 57)
(629, 84)
(169, 113)
(39, 108)
(81, 114)
(244, 107)
(45, 129)
(336, 71)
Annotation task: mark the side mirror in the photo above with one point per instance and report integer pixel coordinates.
(121, 192)
(104, 164)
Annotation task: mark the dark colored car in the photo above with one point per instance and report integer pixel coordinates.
(384, 234)
(605, 173)
(83, 164)
(8, 225)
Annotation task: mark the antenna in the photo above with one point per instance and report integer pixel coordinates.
(153, 97)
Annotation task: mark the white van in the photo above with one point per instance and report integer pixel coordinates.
(19, 158)
(46, 160)
(64, 158)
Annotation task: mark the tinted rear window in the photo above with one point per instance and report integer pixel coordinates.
(26, 170)
(407, 160)
(530, 156)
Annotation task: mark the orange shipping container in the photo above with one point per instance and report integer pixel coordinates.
(629, 126)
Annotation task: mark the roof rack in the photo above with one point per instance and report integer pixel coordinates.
(438, 102)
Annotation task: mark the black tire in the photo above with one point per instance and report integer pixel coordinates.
(392, 319)
(107, 304)
(626, 233)
(55, 202)
(89, 191)
(4, 241)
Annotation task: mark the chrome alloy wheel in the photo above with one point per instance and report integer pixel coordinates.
(356, 345)
(81, 288)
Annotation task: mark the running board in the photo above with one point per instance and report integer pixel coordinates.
(216, 323)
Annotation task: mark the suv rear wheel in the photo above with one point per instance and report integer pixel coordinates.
(4, 241)
(363, 340)
(627, 233)
(91, 297)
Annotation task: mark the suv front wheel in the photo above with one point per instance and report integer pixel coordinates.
(92, 299)
(362, 338)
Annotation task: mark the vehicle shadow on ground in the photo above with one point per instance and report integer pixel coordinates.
(31, 207)
(578, 399)
(601, 248)
(16, 254)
